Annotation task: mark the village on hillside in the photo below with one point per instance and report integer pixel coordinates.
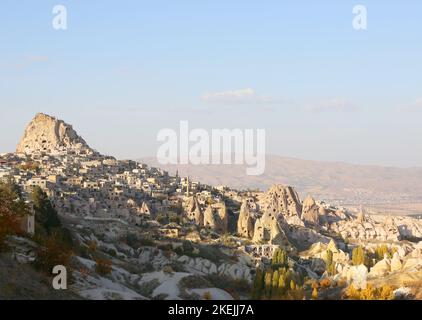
(140, 233)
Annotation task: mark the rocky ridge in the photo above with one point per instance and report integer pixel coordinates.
(46, 134)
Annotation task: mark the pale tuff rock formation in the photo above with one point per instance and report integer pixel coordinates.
(339, 256)
(239, 270)
(407, 259)
(223, 215)
(252, 203)
(262, 228)
(381, 269)
(378, 227)
(267, 230)
(319, 250)
(48, 134)
(316, 250)
(199, 216)
(390, 225)
(396, 264)
(369, 229)
(310, 211)
(341, 214)
(277, 236)
(213, 217)
(413, 263)
(281, 213)
(283, 200)
(417, 252)
(283, 210)
(361, 216)
(245, 224)
(209, 218)
(145, 209)
(305, 237)
(332, 246)
(356, 275)
(194, 213)
(322, 215)
(408, 227)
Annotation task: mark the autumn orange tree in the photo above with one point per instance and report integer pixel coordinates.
(360, 256)
(103, 266)
(383, 250)
(55, 241)
(53, 251)
(8, 225)
(12, 209)
(384, 292)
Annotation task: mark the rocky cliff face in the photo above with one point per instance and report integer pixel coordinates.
(283, 214)
(284, 203)
(213, 217)
(50, 135)
(310, 211)
(245, 223)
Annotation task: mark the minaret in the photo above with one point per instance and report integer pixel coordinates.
(361, 215)
(187, 187)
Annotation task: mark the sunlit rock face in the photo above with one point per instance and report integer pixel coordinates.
(284, 201)
(46, 134)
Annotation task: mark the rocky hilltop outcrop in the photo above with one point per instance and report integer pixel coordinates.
(283, 202)
(194, 213)
(310, 211)
(283, 213)
(369, 228)
(214, 217)
(245, 223)
(46, 134)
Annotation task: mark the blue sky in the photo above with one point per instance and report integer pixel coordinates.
(125, 69)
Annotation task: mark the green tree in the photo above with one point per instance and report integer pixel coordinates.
(329, 257)
(47, 221)
(12, 208)
(292, 285)
(381, 251)
(268, 284)
(281, 285)
(258, 285)
(358, 256)
(45, 215)
(280, 259)
(315, 293)
(274, 289)
(329, 263)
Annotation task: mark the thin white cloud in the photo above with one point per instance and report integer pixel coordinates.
(37, 58)
(414, 106)
(24, 63)
(332, 105)
(240, 96)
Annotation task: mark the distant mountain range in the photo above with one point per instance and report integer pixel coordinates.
(336, 182)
